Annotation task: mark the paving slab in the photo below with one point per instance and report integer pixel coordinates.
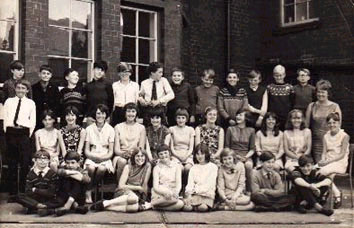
(247, 217)
(13, 212)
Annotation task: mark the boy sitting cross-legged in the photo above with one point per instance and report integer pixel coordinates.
(310, 187)
(73, 180)
(41, 186)
(267, 187)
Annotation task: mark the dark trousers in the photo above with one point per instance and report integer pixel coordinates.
(273, 202)
(31, 200)
(307, 194)
(118, 116)
(18, 152)
(72, 188)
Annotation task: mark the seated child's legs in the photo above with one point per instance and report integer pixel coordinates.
(249, 168)
(100, 172)
(118, 164)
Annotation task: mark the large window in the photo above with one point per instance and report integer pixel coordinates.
(140, 42)
(9, 15)
(297, 12)
(71, 37)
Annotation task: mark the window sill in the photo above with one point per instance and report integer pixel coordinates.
(297, 27)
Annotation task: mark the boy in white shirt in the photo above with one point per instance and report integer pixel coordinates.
(155, 92)
(19, 123)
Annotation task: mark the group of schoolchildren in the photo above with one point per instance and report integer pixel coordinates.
(192, 165)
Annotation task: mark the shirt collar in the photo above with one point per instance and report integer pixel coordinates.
(265, 173)
(254, 88)
(45, 170)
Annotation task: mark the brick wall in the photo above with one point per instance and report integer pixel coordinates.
(108, 34)
(172, 35)
(204, 39)
(245, 36)
(34, 36)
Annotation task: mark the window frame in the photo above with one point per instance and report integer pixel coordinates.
(156, 39)
(16, 50)
(70, 28)
(294, 23)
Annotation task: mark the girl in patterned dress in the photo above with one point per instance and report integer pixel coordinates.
(73, 134)
(297, 139)
(211, 135)
(49, 139)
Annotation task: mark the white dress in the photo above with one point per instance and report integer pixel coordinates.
(99, 143)
(334, 145)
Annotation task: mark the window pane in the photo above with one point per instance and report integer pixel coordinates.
(8, 9)
(58, 42)
(288, 14)
(5, 60)
(7, 34)
(82, 67)
(146, 23)
(142, 73)
(58, 66)
(146, 51)
(301, 12)
(312, 10)
(301, 1)
(59, 12)
(79, 44)
(82, 16)
(128, 51)
(128, 21)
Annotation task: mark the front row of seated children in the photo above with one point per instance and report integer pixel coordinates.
(50, 193)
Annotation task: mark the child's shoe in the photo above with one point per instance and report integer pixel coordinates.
(81, 210)
(327, 212)
(45, 212)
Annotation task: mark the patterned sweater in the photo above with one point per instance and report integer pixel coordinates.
(229, 105)
(281, 97)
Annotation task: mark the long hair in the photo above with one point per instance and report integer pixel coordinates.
(264, 124)
(204, 149)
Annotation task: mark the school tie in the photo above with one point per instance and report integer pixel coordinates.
(268, 176)
(40, 173)
(17, 112)
(153, 91)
